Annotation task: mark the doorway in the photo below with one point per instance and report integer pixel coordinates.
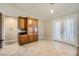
(11, 32)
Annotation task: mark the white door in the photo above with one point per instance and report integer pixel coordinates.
(10, 30)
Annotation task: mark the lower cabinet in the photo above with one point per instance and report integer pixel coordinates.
(23, 39)
(35, 37)
(30, 38)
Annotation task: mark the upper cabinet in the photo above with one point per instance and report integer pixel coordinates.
(22, 23)
(35, 26)
(32, 25)
(32, 29)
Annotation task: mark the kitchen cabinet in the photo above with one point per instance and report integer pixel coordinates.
(29, 25)
(23, 39)
(22, 23)
(35, 36)
(30, 38)
(32, 29)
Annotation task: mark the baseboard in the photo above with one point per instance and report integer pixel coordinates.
(62, 42)
(42, 38)
(66, 43)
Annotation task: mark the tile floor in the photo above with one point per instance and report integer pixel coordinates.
(39, 48)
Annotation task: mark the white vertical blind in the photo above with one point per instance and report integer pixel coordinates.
(66, 30)
(57, 30)
(69, 26)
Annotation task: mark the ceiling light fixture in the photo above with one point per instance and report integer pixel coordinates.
(51, 10)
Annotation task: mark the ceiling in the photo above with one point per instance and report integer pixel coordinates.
(38, 10)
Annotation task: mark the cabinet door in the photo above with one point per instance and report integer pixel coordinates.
(30, 38)
(35, 36)
(30, 26)
(32, 29)
(35, 30)
(23, 39)
(35, 26)
(22, 23)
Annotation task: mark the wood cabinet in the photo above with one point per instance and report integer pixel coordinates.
(31, 27)
(23, 39)
(35, 36)
(22, 23)
(30, 37)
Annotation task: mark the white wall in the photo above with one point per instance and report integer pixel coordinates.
(48, 29)
(41, 31)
